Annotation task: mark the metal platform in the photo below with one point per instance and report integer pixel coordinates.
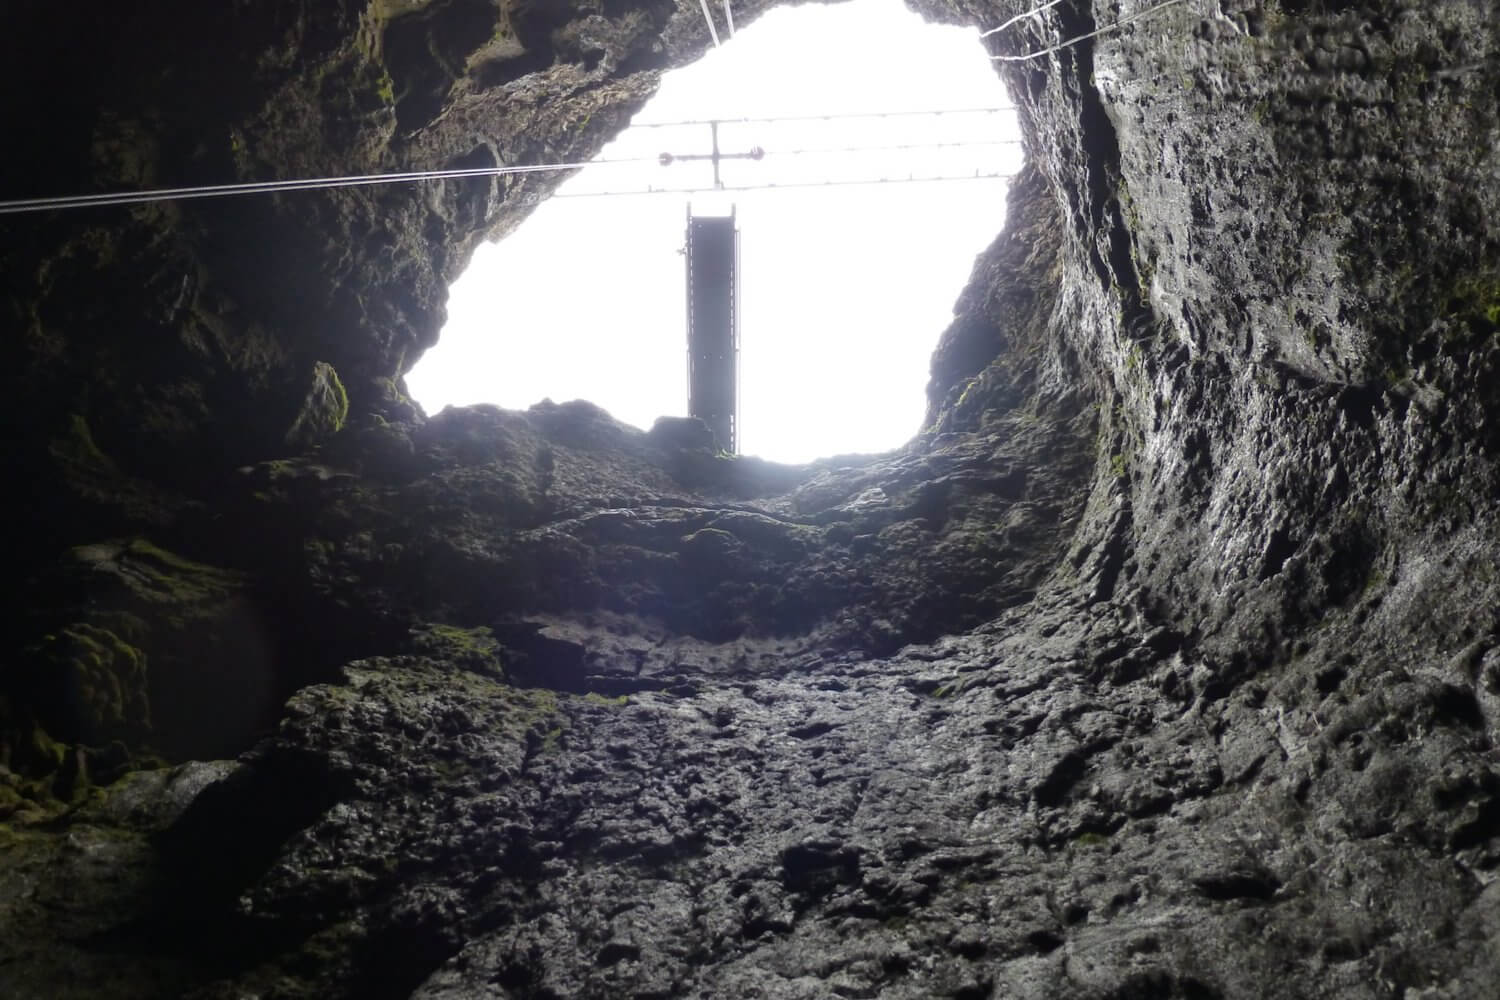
(713, 318)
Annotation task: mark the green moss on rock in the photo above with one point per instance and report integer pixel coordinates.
(91, 686)
(77, 443)
(82, 473)
(152, 583)
(323, 411)
(473, 649)
(84, 678)
(1476, 300)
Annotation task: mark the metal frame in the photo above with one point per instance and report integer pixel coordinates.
(713, 351)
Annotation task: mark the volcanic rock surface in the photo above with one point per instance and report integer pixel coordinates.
(1163, 664)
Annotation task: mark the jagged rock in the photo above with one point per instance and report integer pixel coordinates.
(129, 642)
(323, 410)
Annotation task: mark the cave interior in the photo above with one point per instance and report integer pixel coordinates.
(1162, 664)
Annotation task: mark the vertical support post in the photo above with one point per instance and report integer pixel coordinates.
(687, 257)
(714, 129)
(713, 253)
(734, 335)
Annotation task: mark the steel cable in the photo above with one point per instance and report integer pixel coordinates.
(54, 203)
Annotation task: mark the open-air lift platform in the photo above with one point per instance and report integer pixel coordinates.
(713, 318)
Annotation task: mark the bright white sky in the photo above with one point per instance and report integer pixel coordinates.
(844, 289)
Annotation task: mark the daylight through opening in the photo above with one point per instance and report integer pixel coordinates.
(844, 287)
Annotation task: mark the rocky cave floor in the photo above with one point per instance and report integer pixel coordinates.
(1060, 802)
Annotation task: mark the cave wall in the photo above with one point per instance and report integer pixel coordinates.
(154, 351)
(163, 326)
(1162, 663)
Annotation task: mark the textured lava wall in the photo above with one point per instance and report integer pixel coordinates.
(152, 351)
(1164, 663)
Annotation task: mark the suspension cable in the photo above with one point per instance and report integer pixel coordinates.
(22, 205)
(729, 18)
(763, 153)
(1035, 12)
(303, 184)
(1085, 37)
(709, 17)
(847, 116)
(889, 147)
(783, 185)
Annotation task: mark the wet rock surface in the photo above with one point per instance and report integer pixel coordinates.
(1163, 663)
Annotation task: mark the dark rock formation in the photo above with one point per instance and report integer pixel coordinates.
(1164, 663)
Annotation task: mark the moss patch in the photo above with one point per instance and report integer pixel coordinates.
(117, 606)
(473, 649)
(324, 409)
(85, 473)
(90, 685)
(152, 583)
(1475, 300)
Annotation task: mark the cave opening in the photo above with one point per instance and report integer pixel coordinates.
(847, 282)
